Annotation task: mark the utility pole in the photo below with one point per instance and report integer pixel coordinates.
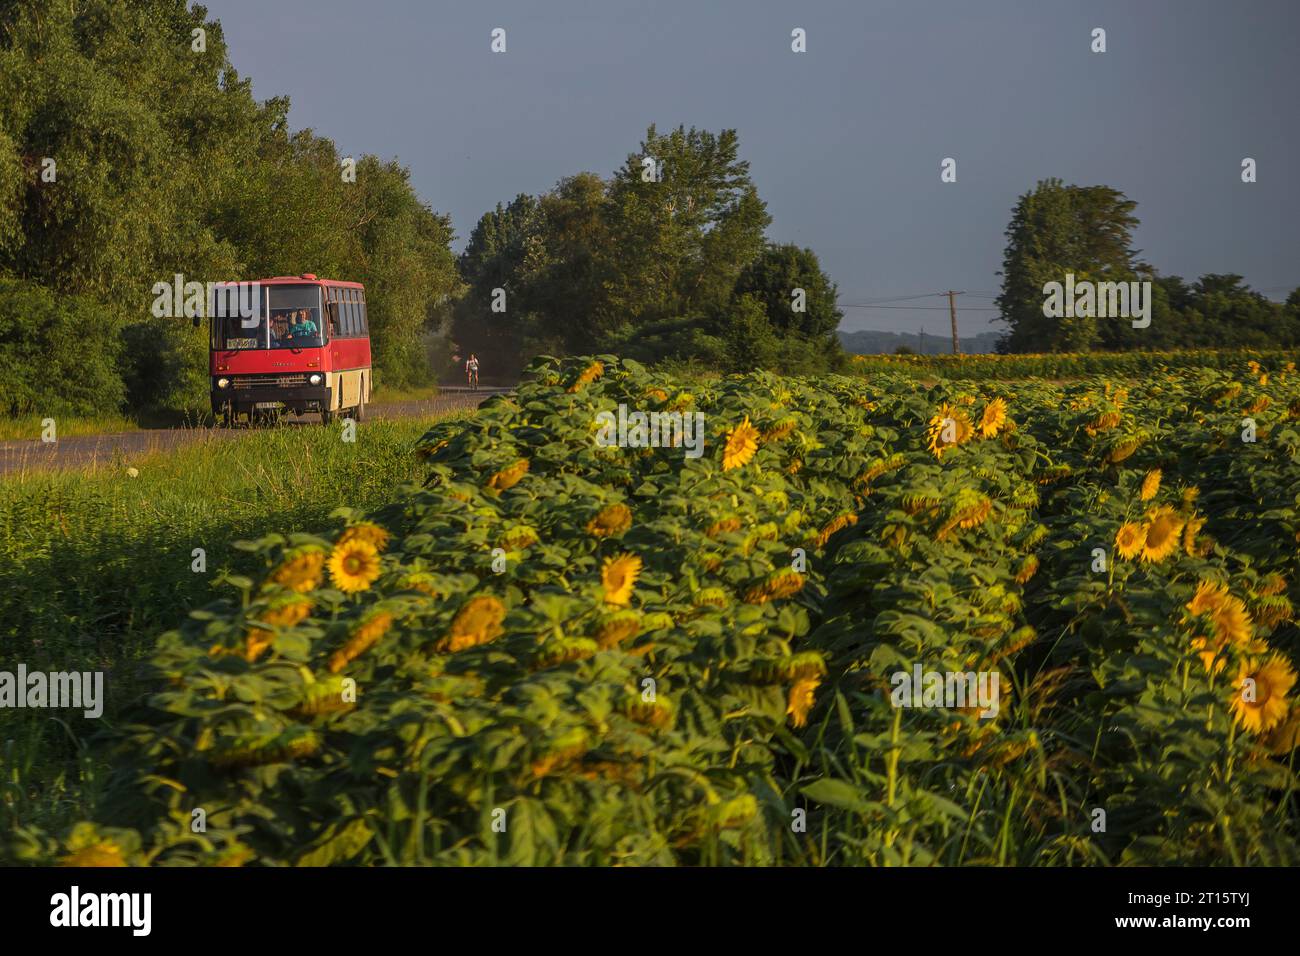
(952, 312)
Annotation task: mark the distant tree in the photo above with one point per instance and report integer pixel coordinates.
(774, 276)
(1057, 229)
(502, 253)
(569, 288)
(666, 260)
(684, 220)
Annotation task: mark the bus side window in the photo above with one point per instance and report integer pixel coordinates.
(353, 324)
(332, 313)
(365, 322)
(345, 314)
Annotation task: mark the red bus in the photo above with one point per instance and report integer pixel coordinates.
(306, 348)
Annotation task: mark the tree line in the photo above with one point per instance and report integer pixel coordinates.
(664, 260)
(131, 150)
(1087, 231)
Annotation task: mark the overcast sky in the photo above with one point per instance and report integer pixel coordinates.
(845, 141)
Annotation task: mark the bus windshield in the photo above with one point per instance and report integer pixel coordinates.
(289, 318)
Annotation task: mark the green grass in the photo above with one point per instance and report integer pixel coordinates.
(94, 565)
(31, 427)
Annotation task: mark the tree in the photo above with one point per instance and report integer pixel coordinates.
(666, 260)
(502, 253)
(1055, 230)
(65, 340)
(684, 220)
(774, 276)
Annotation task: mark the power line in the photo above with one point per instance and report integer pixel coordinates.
(912, 308)
(905, 298)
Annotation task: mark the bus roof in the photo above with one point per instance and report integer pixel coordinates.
(307, 278)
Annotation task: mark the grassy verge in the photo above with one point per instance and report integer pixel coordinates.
(384, 395)
(32, 427)
(95, 564)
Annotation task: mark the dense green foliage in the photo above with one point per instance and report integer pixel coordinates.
(93, 564)
(555, 652)
(1087, 231)
(666, 261)
(163, 163)
(46, 340)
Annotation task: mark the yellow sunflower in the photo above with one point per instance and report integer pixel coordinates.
(100, 854)
(301, 571)
(1285, 737)
(363, 638)
(587, 376)
(354, 566)
(1190, 531)
(286, 612)
(1103, 422)
(780, 584)
(1123, 448)
(742, 443)
(618, 577)
(970, 510)
(1130, 539)
(421, 581)
(519, 537)
(1259, 702)
(1151, 484)
(365, 531)
(1228, 616)
(1163, 529)
(801, 700)
(838, 523)
(949, 427)
(477, 622)
(724, 526)
(994, 418)
(611, 521)
(618, 627)
(509, 476)
(781, 429)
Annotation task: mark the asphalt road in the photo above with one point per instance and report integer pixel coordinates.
(19, 457)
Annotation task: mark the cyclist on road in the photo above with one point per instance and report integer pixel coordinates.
(471, 371)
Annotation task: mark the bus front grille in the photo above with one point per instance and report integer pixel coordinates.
(268, 381)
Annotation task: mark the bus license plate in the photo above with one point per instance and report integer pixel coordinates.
(267, 405)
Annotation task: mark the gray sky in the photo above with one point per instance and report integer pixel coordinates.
(844, 141)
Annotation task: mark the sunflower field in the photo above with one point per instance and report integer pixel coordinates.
(552, 652)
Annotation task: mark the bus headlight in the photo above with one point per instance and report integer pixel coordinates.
(315, 379)
(222, 382)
